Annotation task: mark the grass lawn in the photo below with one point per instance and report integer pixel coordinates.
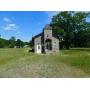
(68, 63)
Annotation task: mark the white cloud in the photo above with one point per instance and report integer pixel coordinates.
(11, 26)
(51, 13)
(18, 32)
(39, 23)
(7, 28)
(6, 19)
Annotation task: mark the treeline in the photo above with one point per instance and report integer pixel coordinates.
(81, 39)
(73, 27)
(13, 43)
(78, 40)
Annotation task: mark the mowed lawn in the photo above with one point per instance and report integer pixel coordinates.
(19, 63)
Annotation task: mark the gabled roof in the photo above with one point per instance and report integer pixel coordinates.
(37, 35)
(48, 27)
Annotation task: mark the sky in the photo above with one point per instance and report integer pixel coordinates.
(23, 24)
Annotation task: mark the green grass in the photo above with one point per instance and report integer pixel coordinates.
(67, 63)
(79, 58)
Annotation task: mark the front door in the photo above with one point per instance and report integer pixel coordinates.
(48, 43)
(38, 48)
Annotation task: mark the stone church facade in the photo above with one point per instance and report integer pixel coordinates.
(45, 42)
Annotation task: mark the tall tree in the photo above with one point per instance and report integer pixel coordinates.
(19, 43)
(2, 43)
(70, 22)
(12, 42)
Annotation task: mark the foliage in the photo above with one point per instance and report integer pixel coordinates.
(2, 43)
(19, 43)
(11, 43)
(82, 39)
(69, 23)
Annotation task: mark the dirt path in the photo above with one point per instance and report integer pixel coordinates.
(42, 69)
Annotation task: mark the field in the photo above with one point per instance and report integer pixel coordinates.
(19, 63)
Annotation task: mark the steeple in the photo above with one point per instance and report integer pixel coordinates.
(47, 27)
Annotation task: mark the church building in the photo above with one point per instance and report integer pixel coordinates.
(45, 42)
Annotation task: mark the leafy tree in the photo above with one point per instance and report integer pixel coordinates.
(19, 43)
(2, 43)
(82, 39)
(71, 23)
(30, 43)
(0, 36)
(12, 42)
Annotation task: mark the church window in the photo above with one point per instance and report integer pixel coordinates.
(38, 47)
(55, 42)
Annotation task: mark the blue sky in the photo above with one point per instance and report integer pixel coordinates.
(23, 24)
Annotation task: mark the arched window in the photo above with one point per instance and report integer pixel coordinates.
(48, 44)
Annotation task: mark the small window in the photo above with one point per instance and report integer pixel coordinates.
(55, 42)
(38, 47)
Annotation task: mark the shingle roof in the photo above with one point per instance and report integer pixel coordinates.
(37, 35)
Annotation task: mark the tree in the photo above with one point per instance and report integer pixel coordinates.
(0, 35)
(2, 43)
(70, 22)
(30, 43)
(12, 42)
(19, 43)
(82, 39)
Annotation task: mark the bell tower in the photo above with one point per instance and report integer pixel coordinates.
(47, 32)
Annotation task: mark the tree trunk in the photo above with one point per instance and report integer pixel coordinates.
(67, 44)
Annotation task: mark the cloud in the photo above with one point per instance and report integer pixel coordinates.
(6, 19)
(11, 26)
(51, 13)
(7, 28)
(18, 32)
(39, 23)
